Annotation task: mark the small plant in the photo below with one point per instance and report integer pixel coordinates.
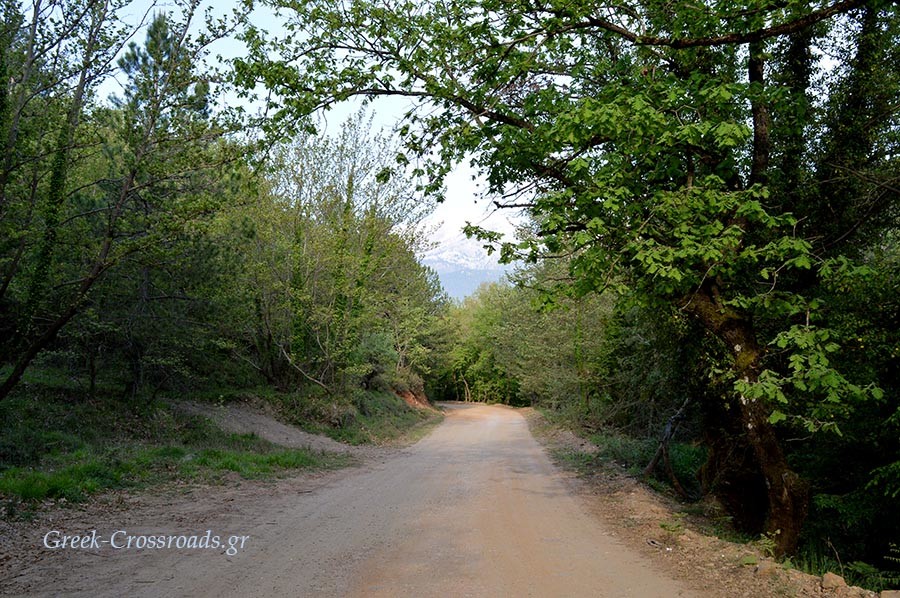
(674, 526)
(583, 463)
(894, 555)
(767, 542)
(871, 577)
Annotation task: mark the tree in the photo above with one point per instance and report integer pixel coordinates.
(54, 76)
(340, 298)
(120, 183)
(641, 137)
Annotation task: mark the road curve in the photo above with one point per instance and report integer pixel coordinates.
(476, 508)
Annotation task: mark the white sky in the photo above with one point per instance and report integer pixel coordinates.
(465, 201)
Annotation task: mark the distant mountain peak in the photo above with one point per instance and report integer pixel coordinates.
(463, 264)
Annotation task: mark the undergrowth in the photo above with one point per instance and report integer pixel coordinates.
(633, 454)
(58, 443)
(357, 417)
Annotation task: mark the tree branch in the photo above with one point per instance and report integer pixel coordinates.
(729, 38)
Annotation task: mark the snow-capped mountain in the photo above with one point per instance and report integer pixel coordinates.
(463, 264)
(475, 258)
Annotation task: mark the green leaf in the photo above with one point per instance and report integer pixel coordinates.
(777, 416)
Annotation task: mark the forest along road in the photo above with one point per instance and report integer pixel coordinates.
(476, 508)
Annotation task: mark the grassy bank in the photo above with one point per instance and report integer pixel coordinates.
(630, 453)
(56, 442)
(367, 417)
(357, 417)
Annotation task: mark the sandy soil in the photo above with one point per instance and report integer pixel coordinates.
(476, 508)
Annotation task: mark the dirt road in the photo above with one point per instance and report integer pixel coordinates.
(474, 509)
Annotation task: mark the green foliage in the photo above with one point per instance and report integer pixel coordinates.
(363, 416)
(107, 247)
(767, 543)
(653, 360)
(823, 559)
(382, 417)
(737, 192)
(500, 349)
(702, 160)
(80, 474)
(332, 291)
(826, 394)
(632, 454)
(675, 526)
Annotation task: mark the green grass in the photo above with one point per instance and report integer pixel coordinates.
(818, 560)
(632, 454)
(581, 463)
(381, 417)
(57, 444)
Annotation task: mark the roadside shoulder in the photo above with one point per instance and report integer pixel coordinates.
(669, 532)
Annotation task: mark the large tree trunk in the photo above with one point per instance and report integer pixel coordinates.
(747, 469)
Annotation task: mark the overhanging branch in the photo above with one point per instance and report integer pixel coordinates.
(797, 24)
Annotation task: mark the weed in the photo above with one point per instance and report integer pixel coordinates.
(581, 463)
(675, 526)
(767, 542)
(817, 562)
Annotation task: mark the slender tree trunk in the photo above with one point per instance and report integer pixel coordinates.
(60, 166)
(761, 119)
(92, 370)
(747, 468)
(44, 339)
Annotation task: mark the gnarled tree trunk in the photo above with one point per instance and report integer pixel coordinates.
(747, 469)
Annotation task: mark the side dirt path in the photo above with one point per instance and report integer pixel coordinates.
(243, 419)
(660, 530)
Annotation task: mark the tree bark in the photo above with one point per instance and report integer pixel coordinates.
(747, 466)
(761, 119)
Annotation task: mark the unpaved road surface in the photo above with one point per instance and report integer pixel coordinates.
(474, 509)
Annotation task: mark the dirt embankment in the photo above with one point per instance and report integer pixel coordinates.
(416, 400)
(243, 419)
